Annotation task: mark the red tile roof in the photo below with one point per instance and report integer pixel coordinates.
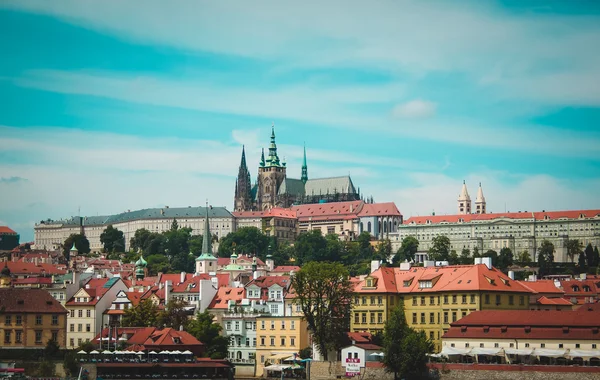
(360, 337)
(529, 324)
(384, 209)
(280, 213)
(175, 278)
(551, 215)
(32, 280)
(541, 287)
(29, 301)
(224, 295)
(5, 230)
(21, 268)
(248, 214)
(553, 301)
(285, 268)
(265, 282)
(328, 211)
(241, 260)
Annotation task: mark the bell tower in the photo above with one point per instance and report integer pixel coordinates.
(464, 201)
(480, 201)
(271, 173)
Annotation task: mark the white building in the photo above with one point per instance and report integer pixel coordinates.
(51, 234)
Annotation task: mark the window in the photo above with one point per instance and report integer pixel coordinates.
(262, 341)
(372, 300)
(432, 300)
(18, 320)
(254, 342)
(247, 342)
(422, 301)
(481, 345)
(88, 327)
(237, 325)
(72, 327)
(496, 345)
(38, 319)
(79, 341)
(262, 325)
(426, 284)
(380, 300)
(560, 345)
(80, 313)
(283, 325)
(274, 309)
(414, 318)
(79, 327)
(379, 317)
(272, 325)
(422, 318)
(55, 336)
(526, 345)
(445, 317)
(72, 312)
(454, 316)
(511, 300)
(227, 325)
(577, 345)
(283, 342)
(487, 299)
(7, 334)
(543, 345)
(472, 298)
(364, 317)
(432, 318)
(467, 345)
(431, 335)
(292, 342)
(464, 298)
(8, 320)
(512, 345)
(88, 313)
(364, 300)
(38, 337)
(72, 342)
(272, 341)
(446, 300)
(454, 299)
(356, 300)
(55, 320)
(372, 318)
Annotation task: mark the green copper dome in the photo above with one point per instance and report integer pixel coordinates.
(73, 248)
(141, 263)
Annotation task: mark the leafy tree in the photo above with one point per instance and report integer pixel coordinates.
(81, 243)
(112, 239)
(408, 250)
(195, 244)
(141, 240)
(453, 258)
(145, 314)
(174, 225)
(574, 248)
(174, 315)
(523, 258)
(440, 248)
(310, 246)
(476, 252)
(70, 364)
(206, 331)
(545, 257)
(505, 258)
(334, 249)
(183, 262)
(324, 293)
(589, 255)
(365, 249)
(52, 348)
(305, 353)
(465, 257)
(581, 261)
(493, 254)
(281, 252)
(247, 240)
(350, 253)
(46, 368)
(405, 349)
(158, 263)
(384, 250)
(596, 256)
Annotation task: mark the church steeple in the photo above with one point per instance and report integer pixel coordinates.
(273, 159)
(480, 201)
(304, 176)
(207, 237)
(262, 158)
(243, 187)
(464, 200)
(206, 262)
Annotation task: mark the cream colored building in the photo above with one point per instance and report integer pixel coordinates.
(51, 234)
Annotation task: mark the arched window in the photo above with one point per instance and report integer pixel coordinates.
(369, 226)
(390, 226)
(384, 227)
(239, 354)
(361, 227)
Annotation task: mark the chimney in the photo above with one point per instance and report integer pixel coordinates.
(487, 261)
(583, 276)
(477, 261)
(511, 274)
(351, 207)
(255, 275)
(167, 291)
(375, 265)
(405, 265)
(182, 278)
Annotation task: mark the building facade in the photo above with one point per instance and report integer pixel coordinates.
(279, 336)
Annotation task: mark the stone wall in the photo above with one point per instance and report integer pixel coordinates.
(334, 370)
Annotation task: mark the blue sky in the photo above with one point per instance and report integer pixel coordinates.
(109, 105)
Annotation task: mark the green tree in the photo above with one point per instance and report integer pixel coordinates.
(365, 249)
(70, 364)
(174, 315)
(523, 258)
(440, 248)
(81, 243)
(208, 332)
(140, 240)
(408, 250)
(52, 348)
(545, 257)
(158, 264)
(305, 353)
(505, 258)
(476, 252)
(246, 240)
(493, 254)
(334, 251)
(581, 262)
(46, 368)
(195, 244)
(112, 239)
(384, 250)
(465, 257)
(324, 293)
(174, 225)
(310, 246)
(574, 248)
(453, 258)
(596, 256)
(589, 255)
(405, 349)
(145, 314)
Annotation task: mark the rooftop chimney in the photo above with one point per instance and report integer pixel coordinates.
(375, 265)
(182, 278)
(167, 291)
(511, 274)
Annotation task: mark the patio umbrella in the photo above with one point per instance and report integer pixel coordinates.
(107, 352)
(164, 353)
(94, 352)
(82, 352)
(186, 352)
(176, 352)
(152, 352)
(140, 353)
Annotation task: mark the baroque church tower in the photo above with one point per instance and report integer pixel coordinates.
(480, 201)
(464, 201)
(271, 173)
(243, 187)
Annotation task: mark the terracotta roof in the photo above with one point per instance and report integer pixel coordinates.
(368, 346)
(224, 295)
(386, 209)
(190, 284)
(32, 280)
(175, 278)
(360, 337)
(541, 286)
(248, 214)
(447, 278)
(22, 268)
(582, 288)
(550, 215)
(153, 336)
(529, 324)
(553, 301)
(280, 213)
(29, 301)
(94, 294)
(334, 210)
(265, 282)
(6, 230)
(286, 268)
(134, 297)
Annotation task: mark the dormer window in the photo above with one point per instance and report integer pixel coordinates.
(428, 284)
(575, 288)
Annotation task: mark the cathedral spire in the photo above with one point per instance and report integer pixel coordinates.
(243, 163)
(273, 159)
(206, 239)
(464, 200)
(304, 177)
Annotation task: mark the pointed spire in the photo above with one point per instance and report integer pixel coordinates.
(273, 159)
(206, 239)
(464, 194)
(243, 163)
(262, 158)
(480, 197)
(304, 176)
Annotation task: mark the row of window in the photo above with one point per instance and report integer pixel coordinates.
(453, 313)
(527, 345)
(79, 342)
(362, 318)
(18, 336)
(282, 341)
(88, 327)
(88, 313)
(372, 299)
(39, 319)
(422, 300)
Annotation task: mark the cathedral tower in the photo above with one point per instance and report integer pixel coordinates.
(243, 187)
(480, 201)
(271, 173)
(304, 177)
(464, 201)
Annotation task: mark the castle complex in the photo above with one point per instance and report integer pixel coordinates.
(274, 189)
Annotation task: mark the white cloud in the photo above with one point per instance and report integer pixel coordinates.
(414, 109)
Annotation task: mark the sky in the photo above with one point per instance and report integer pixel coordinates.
(113, 105)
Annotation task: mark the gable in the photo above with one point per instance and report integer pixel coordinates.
(81, 293)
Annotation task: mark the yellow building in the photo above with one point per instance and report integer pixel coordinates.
(30, 318)
(279, 338)
(433, 297)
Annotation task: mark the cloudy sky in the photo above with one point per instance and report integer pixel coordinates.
(114, 105)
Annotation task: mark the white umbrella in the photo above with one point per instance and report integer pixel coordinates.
(164, 353)
(140, 353)
(176, 352)
(152, 352)
(123, 339)
(186, 352)
(172, 352)
(82, 352)
(107, 352)
(94, 352)
(119, 352)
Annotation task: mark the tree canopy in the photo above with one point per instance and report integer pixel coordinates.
(144, 314)
(440, 248)
(545, 257)
(247, 240)
(405, 349)
(408, 250)
(206, 331)
(81, 243)
(324, 293)
(574, 248)
(112, 239)
(505, 258)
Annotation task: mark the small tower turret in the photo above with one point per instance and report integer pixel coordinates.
(480, 201)
(304, 176)
(464, 201)
(140, 268)
(206, 262)
(5, 276)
